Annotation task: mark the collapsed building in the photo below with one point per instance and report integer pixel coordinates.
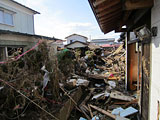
(97, 83)
(139, 20)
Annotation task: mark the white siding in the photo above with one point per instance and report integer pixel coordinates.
(76, 38)
(155, 63)
(76, 45)
(23, 19)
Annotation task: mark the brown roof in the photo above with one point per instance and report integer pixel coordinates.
(113, 14)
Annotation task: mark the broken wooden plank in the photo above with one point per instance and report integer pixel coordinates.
(140, 4)
(65, 111)
(90, 111)
(83, 111)
(93, 76)
(103, 111)
(135, 101)
(120, 96)
(97, 76)
(120, 103)
(121, 118)
(87, 97)
(83, 106)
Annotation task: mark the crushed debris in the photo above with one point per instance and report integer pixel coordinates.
(54, 82)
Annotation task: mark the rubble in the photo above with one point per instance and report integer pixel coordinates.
(54, 82)
(106, 74)
(120, 96)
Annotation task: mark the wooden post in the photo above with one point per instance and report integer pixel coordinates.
(127, 67)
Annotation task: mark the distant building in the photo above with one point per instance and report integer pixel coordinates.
(76, 37)
(76, 44)
(103, 41)
(59, 43)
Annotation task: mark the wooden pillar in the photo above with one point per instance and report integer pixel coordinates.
(127, 65)
(146, 73)
(145, 81)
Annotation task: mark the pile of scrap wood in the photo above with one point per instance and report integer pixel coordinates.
(105, 97)
(30, 86)
(42, 85)
(98, 65)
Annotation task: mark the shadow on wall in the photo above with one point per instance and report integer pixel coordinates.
(156, 41)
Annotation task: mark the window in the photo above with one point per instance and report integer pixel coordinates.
(1, 16)
(2, 53)
(10, 52)
(6, 18)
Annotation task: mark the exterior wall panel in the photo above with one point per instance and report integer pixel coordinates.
(155, 68)
(22, 19)
(76, 38)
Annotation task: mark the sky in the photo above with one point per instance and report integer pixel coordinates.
(61, 18)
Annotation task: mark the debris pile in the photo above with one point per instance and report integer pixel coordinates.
(42, 85)
(106, 97)
(30, 86)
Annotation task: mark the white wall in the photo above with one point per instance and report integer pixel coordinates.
(76, 38)
(23, 19)
(155, 63)
(76, 45)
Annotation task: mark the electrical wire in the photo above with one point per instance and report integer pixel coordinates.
(29, 99)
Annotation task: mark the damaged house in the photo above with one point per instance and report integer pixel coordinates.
(103, 41)
(17, 28)
(76, 41)
(139, 20)
(76, 37)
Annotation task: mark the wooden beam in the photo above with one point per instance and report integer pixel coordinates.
(108, 5)
(125, 17)
(109, 29)
(121, 30)
(110, 19)
(98, 2)
(103, 111)
(110, 23)
(141, 4)
(124, 20)
(108, 11)
(139, 14)
(111, 15)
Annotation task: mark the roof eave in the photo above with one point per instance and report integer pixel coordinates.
(35, 12)
(96, 16)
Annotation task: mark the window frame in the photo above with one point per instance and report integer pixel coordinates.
(4, 21)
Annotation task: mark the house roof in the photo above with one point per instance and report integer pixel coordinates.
(113, 14)
(76, 42)
(60, 41)
(108, 45)
(25, 34)
(77, 35)
(93, 46)
(103, 40)
(35, 12)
